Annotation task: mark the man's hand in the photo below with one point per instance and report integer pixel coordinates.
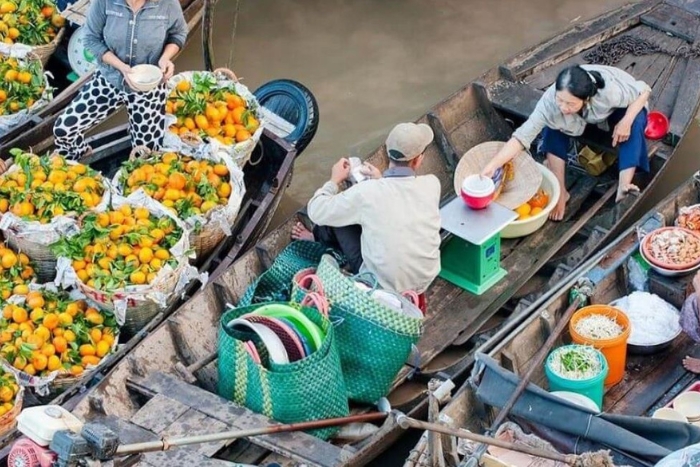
(340, 171)
(370, 171)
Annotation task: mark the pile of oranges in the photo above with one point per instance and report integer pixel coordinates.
(186, 186)
(8, 391)
(120, 247)
(204, 108)
(45, 187)
(21, 84)
(16, 273)
(534, 206)
(29, 22)
(50, 332)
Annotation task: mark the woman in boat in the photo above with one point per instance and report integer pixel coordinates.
(690, 322)
(581, 95)
(122, 34)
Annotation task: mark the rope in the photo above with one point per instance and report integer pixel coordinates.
(610, 52)
(229, 64)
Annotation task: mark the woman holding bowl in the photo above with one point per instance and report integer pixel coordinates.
(123, 34)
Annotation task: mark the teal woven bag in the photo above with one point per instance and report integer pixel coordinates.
(309, 389)
(275, 283)
(374, 340)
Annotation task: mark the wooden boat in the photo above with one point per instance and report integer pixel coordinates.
(265, 185)
(41, 125)
(650, 382)
(145, 383)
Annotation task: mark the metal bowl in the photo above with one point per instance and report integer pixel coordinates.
(648, 349)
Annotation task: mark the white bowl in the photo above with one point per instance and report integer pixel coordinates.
(478, 186)
(578, 399)
(688, 404)
(145, 78)
(669, 414)
(524, 227)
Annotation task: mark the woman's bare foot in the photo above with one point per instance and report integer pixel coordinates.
(692, 364)
(300, 232)
(557, 213)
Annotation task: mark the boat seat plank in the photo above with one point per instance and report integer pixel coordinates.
(299, 446)
(645, 388)
(687, 99)
(665, 99)
(181, 457)
(584, 36)
(673, 20)
(158, 413)
(194, 422)
(517, 98)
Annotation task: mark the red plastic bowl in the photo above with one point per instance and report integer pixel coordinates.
(657, 125)
(477, 192)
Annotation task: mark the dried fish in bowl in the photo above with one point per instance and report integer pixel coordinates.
(689, 217)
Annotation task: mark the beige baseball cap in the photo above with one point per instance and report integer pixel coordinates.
(408, 141)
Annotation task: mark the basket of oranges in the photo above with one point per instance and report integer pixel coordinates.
(205, 190)
(11, 396)
(130, 259)
(16, 273)
(54, 339)
(214, 108)
(40, 201)
(36, 24)
(23, 89)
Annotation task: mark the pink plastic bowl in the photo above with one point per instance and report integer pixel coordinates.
(477, 192)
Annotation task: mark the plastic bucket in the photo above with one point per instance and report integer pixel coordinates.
(593, 388)
(615, 349)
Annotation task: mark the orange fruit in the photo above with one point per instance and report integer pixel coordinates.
(183, 86)
(535, 211)
(523, 209)
(242, 135)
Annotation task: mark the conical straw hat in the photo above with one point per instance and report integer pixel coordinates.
(525, 182)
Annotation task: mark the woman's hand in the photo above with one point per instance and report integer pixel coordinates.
(125, 70)
(488, 171)
(167, 67)
(340, 171)
(622, 131)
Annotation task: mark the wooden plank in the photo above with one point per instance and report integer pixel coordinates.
(299, 446)
(665, 99)
(194, 422)
(673, 20)
(516, 98)
(158, 413)
(181, 457)
(692, 6)
(664, 376)
(579, 38)
(686, 104)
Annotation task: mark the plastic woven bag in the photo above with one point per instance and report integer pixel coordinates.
(374, 340)
(309, 389)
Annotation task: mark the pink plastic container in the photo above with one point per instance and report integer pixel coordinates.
(477, 191)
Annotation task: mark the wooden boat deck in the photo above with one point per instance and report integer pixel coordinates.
(650, 381)
(455, 317)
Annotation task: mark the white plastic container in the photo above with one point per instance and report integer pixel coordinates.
(41, 423)
(145, 78)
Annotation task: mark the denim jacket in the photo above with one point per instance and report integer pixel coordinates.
(136, 39)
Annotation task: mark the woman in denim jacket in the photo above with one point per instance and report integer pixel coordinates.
(123, 34)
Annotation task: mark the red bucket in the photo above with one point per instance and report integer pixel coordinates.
(657, 125)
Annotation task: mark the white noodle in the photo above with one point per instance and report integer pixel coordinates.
(653, 320)
(598, 327)
(588, 354)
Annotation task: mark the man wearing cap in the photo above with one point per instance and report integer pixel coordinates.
(388, 225)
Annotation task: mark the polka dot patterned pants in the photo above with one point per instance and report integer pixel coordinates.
(97, 99)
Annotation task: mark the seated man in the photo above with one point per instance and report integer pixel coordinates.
(388, 225)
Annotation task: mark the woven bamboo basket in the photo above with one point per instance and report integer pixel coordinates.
(38, 252)
(210, 234)
(140, 309)
(9, 419)
(44, 52)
